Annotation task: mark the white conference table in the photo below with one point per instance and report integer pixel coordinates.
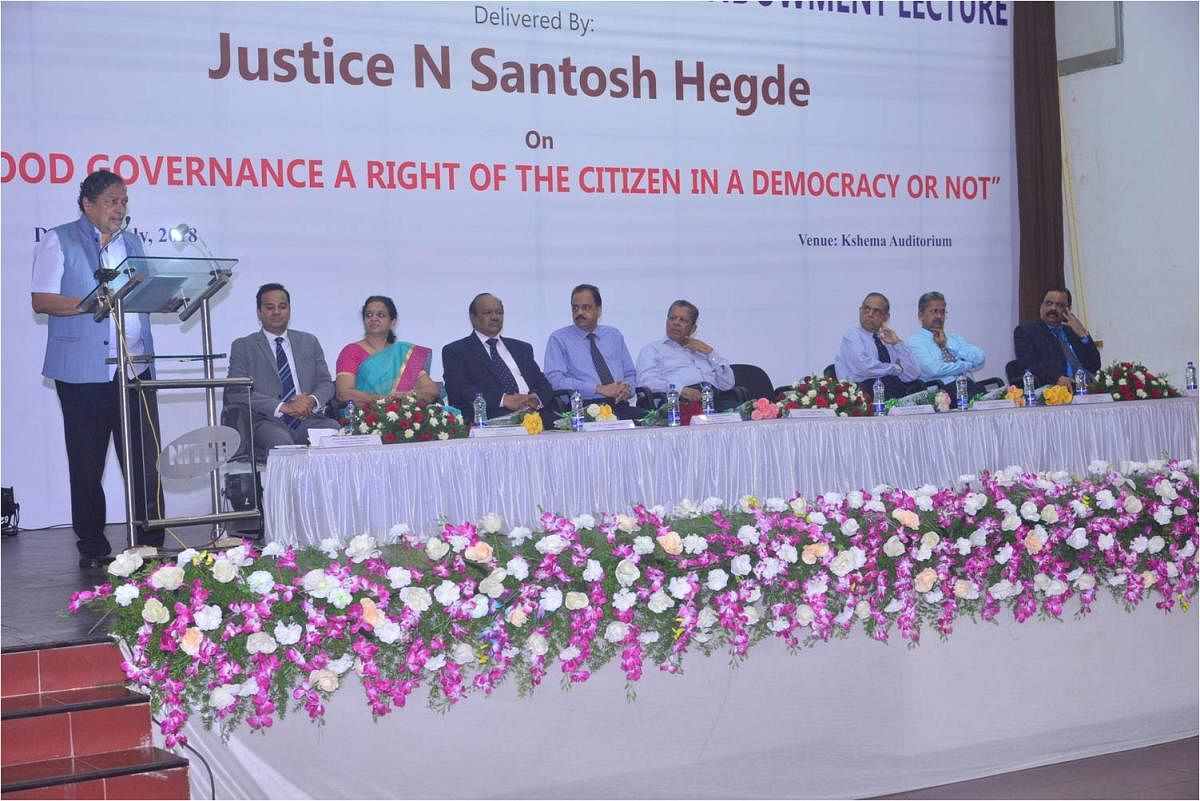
(314, 493)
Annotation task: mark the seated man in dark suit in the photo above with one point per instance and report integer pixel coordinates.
(1057, 345)
(501, 368)
(291, 380)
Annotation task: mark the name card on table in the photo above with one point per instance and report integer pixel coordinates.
(607, 425)
(901, 411)
(1089, 399)
(498, 431)
(1190, 393)
(812, 413)
(348, 440)
(716, 417)
(994, 403)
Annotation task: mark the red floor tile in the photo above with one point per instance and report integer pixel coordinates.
(80, 666)
(159, 784)
(32, 739)
(19, 673)
(95, 731)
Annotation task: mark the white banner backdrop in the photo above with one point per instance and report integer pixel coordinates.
(771, 162)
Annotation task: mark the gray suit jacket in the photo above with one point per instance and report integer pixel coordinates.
(252, 357)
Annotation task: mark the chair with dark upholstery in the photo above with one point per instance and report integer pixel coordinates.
(754, 380)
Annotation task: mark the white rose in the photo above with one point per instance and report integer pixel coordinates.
(1002, 589)
(643, 545)
(788, 553)
(850, 527)
(330, 546)
(493, 585)
(185, 557)
(458, 542)
(223, 571)
(207, 617)
(769, 568)
(1105, 499)
(1078, 538)
(717, 579)
(752, 615)
(154, 612)
(616, 631)
(274, 549)
(1010, 523)
(576, 600)
(842, 564)
(1105, 541)
(1156, 544)
(222, 696)
(623, 600)
(963, 545)
(261, 643)
(318, 583)
(447, 592)
(862, 610)
(261, 582)
(854, 499)
(679, 587)
(593, 571)
(167, 577)
(416, 598)
(1133, 504)
(974, 502)
(660, 602)
(1029, 511)
(798, 506)
(477, 606)
(627, 523)
(1166, 491)
(648, 637)
(694, 544)
(748, 535)
(552, 599)
(398, 578)
(804, 614)
(740, 566)
(435, 663)
(551, 544)
(125, 594)
(1162, 515)
(462, 653)
(1004, 554)
(435, 548)
(1085, 582)
(518, 535)
(627, 572)
(340, 597)
(398, 532)
(707, 618)
(125, 564)
(324, 680)
(568, 653)
(388, 631)
(1050, 515)
(818, 518)
(583, 521)
(537, 645)
(518, 568)
(894, 547)
(288, 633)
(1139, 544)
(361, 548)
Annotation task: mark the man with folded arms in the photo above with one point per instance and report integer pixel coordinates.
(871, 350)
(592, 359)
(502, 369)
(1057, 345)
(685, 361)
(943, 357)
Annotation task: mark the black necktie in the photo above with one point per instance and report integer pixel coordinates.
(884, 356)
(605, 375)
(285, 379)
(507, 382)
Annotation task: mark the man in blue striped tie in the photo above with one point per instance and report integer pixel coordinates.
(291, 379)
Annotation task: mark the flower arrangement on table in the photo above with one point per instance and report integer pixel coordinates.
(1057, 395)
(242, 636)
(405, 419)
(938, 399)
(1016, 395)
(531, 420)
(821, 392)
(1127, 381)
(592, 413)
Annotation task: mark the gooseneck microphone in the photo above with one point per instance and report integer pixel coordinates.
(103, 274)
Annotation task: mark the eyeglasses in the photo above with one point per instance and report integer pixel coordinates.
(874, 311)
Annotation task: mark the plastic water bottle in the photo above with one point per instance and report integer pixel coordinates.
(706, 398)
(1027, 386)
(961, 388)
(878, 396)
(1080, 382)
(480, 409)
(350, 409)
(576, 412)
(1189, 375)
(672, 405)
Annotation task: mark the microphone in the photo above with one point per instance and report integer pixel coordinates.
(102, 273)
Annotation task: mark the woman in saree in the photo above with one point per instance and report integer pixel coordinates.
(378, 366)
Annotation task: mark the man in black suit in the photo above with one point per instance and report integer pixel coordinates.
(1057, 345)
(501, 368)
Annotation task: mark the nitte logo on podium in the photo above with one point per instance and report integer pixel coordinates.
(198, 452)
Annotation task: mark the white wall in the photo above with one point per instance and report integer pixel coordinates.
(1132, 133)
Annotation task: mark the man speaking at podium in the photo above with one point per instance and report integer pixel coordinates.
(77, 347)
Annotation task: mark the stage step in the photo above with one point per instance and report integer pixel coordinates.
(69, 728)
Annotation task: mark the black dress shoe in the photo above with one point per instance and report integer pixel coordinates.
(94, 562)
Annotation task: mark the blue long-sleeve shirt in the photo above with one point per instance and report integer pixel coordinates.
(934, 366)
(667, 362)
(858, 359)
(568, 363)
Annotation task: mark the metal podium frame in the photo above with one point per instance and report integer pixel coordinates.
(150, 293)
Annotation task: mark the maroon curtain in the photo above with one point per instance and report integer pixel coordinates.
(1039, 165)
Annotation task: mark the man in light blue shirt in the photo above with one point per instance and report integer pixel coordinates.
(871, 350)
(943, 357)
(592, 359)
(685, 361)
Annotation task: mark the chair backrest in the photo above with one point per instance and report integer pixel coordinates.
(831, 371)
(754, 379)
(1014, 373)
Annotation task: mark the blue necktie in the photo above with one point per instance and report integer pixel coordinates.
(1068, 352)
(285, 379)
(507, 382)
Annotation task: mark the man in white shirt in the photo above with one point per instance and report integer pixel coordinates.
(685, 361)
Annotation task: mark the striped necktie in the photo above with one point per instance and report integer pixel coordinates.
(285, 379)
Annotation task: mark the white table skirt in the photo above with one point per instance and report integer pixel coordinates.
(850, 718)
(317, 493)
